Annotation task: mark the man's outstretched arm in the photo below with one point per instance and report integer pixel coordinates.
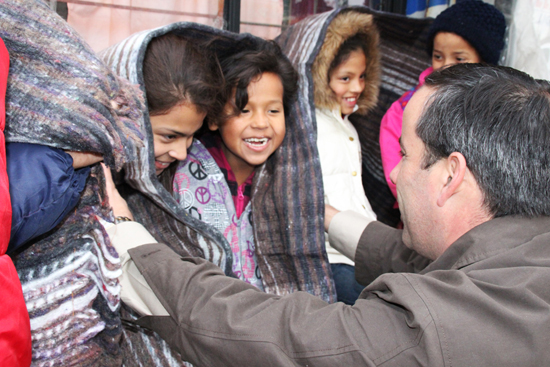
(216, 320)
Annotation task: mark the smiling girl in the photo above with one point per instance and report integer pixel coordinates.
(345, 76)
(214, 184)
(181, 85)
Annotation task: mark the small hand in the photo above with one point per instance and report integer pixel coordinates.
(83, 159)
(118, 204)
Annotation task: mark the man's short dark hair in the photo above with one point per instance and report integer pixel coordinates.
(498, 118)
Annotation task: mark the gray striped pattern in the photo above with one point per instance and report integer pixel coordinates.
(287, 224)
(61, 94)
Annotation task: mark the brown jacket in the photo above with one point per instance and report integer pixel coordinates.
(484, 302)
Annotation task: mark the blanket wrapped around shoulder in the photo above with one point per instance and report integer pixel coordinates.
(62, 95)
(287, 211)
(402, 50)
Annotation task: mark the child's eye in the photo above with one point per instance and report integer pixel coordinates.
(436, 57)
(460, 59)
(345, 79)
(362, 76)
(244, 110)
(169, 137)
(274, 111)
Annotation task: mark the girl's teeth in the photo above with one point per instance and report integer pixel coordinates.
(256, 141)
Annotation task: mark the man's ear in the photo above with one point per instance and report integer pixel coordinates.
(212, 126)
(455, 167)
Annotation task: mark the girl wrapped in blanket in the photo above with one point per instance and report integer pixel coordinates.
(280, 253)
(215, 182)
(346, 78)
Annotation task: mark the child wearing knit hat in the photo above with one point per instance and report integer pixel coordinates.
(470, 31)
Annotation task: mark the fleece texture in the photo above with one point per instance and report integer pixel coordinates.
(286, 209)
(402, 45)
(62, 95)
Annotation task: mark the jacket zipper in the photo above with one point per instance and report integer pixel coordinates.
(240, 200)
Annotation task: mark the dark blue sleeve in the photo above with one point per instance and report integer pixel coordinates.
(44, 188)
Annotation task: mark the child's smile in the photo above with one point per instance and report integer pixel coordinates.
(252, 136)
(173, 134)
(255, 143)
(347, 81)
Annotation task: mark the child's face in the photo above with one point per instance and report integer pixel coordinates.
(450, 48)
(252, 136)
(173, 134)
(347, 81)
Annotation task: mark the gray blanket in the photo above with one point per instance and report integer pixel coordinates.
(404, 57)
(62, 95)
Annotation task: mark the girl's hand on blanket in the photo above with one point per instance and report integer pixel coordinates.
(118, 204)
(83, 159)
(330, 212)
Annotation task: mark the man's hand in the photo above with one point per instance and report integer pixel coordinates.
(83, 159)
(118, 204)
(330, 212)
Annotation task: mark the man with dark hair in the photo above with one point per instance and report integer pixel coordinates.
(465, 283)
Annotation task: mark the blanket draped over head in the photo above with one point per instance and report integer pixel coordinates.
(62, 95)
(287, 211)
(402, 50)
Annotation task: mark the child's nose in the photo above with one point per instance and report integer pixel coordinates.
(260, 121)
(356, 86)
(179, 151)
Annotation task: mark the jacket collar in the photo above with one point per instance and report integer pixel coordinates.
(490, 239)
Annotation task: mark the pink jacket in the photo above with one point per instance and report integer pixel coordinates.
(390, 131)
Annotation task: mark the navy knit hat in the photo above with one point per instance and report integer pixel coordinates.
(480, 24)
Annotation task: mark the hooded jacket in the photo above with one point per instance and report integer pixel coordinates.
(403, 57)
(337, 140)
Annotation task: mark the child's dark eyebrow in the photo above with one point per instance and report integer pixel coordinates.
(179, 133)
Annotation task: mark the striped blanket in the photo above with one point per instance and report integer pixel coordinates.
(404, 57)
(286, 199)
(63, 95)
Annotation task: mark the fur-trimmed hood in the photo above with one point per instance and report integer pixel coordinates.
(345, 25)
(311, 45)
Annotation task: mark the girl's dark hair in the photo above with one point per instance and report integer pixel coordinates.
(175, 71)
(354, 43)
(242, 68)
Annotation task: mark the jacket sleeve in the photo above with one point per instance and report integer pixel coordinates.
(220, 321)
(381, 250)
(44, 188)
(390, 132)
(135, 291)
